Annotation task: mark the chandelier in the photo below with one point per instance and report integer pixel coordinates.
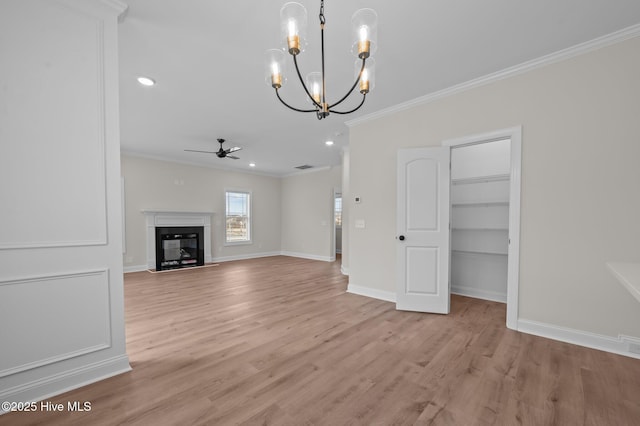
(293, 23)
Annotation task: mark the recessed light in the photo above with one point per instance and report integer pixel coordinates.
(328, 143)
(252, 164)
(146, 81)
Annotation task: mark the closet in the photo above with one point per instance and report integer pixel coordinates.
(480, 182)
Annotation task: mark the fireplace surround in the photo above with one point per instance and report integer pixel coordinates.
(186, 221)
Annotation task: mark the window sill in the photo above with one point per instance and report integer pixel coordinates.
(237, 243)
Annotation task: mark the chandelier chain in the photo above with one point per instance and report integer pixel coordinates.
(321, 16)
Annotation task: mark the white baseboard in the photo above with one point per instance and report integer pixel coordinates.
(620, 345)
(134, 268)
(345, 271)
(387, 296)
(63, 382)
(632, 344)
(479, 293)
(244, 256)
(308, 256)
(391, 296)
(138, 268)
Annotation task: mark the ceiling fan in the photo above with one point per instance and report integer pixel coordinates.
(221, 153)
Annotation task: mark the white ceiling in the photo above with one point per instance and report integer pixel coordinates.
(207, 59)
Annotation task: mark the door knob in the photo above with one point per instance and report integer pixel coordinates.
(401, 237)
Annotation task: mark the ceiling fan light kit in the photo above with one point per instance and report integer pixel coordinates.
(293, 25)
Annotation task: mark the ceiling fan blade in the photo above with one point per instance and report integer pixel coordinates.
(233, 157)
(208, 152)
(234, 149)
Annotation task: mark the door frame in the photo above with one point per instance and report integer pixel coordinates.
(513, 260)
(334, 192)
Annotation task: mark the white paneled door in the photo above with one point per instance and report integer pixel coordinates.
(423, 230)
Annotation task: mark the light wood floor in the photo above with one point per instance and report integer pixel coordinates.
(278, 341)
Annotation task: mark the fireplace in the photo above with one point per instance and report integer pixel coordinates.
(179, 247)
(178, 223)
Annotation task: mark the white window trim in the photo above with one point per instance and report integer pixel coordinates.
(224, 225)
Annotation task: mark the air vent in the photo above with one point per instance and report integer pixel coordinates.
(303, 167)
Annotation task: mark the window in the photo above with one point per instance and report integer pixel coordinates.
(238, 217)
(338, 211)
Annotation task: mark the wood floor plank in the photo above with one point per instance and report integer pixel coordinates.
(278, 341)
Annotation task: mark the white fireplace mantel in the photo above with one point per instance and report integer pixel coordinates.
(157, 218)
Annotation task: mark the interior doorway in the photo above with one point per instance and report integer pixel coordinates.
(480, 175)
(485, 217)
(424, 231)
(337, 222)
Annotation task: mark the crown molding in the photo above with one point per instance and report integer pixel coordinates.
(117, 5)
(97, 7)
(137, 154)
(561, 55)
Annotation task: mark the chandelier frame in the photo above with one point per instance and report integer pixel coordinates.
(321, 107)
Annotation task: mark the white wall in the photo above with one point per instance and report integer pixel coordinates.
(580, 176)
(163, 185)
(61, 286)
(307, 213)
